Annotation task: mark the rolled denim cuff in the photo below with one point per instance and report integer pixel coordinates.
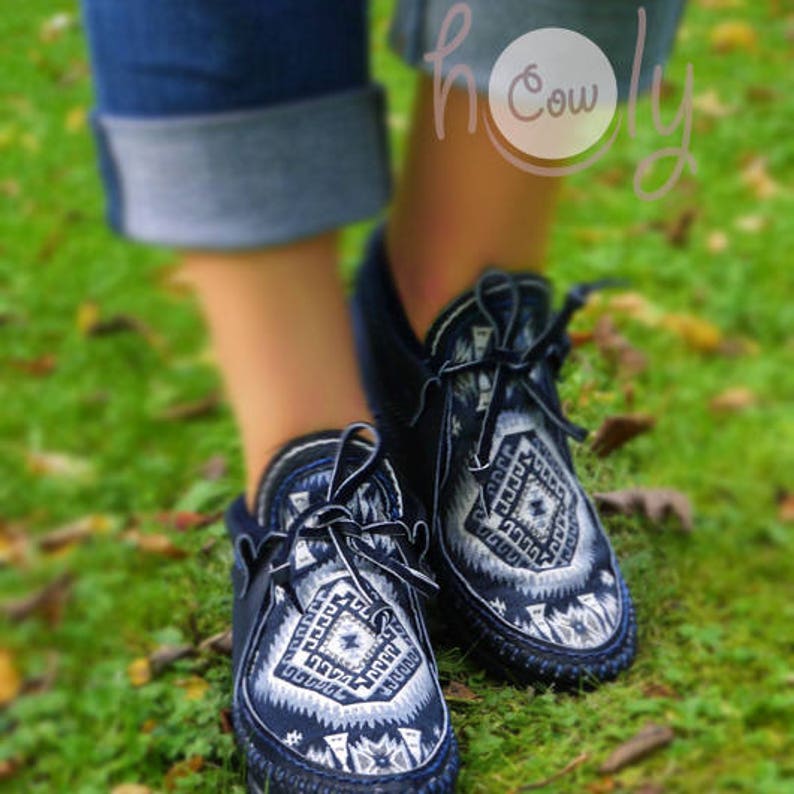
(246, 179)
(611, 24)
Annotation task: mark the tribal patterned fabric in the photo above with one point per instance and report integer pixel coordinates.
(338, 677)
(516, 529)
(524, 564)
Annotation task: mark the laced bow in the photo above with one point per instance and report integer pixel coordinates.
(333, 522)
(509, 363)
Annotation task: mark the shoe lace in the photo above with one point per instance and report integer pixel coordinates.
(333, 522)
(508, 362)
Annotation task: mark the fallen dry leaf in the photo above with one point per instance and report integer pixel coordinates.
(226, 721)
(677, 230)
(660, 691)
(130, 788)
(74, 532)
(139, 671)
(617, 349)
(579, 338)
(761, 94)
(650, 738)
(458, 691)
(733, 400)
(57, 464)
(218, 643)
(569, 767)
(193, 409)
(697, 333)
(616, 431)
(195, 687)
(155, 543)
(649, 788)
(39, 367)
(605, 786)
(75, 120)
(756, 177)
(9, 767)
(717, 242)
(14, 545)
(166, 655)
(738, 346)
(87, 316)
(122, 323)
(55, 26)
(656, 504)
(10, 680)
(636, 306)
(183, 520)
(785, 507)
(183, 769)
(732, 36)
(751, 224)
(49, 601)
(710, 104)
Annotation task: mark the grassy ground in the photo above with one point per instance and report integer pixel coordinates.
(83, 436)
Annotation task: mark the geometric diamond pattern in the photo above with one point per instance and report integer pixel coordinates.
(336, 653)
(532, 521)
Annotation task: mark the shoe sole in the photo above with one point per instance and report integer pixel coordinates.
(274, 775)
(512, 657)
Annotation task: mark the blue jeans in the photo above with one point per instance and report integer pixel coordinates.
(248, 123)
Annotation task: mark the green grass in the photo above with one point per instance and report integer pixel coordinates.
(715, 607)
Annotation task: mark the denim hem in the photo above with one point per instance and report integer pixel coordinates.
(247, 179)
(611, 24)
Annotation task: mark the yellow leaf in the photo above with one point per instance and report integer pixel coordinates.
(57, 464)
(55, 26)
(10, 681)
(75, 120)
(751, 224)
(699, 334)
(182, 769)
(65, 537)
(156, 544)
(757, 178)
(139, 672)
(710, 104)
(717, 242)
(87, 316)
(131, 788)
(14, 545)
(733, 400)
(733, 35)
(195, 687)
(636, 306)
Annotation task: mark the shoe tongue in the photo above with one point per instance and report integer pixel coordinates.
(462, 331)
(298, 478)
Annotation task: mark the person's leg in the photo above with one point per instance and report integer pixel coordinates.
(244, 133)
(459, 207)
(281, 330)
